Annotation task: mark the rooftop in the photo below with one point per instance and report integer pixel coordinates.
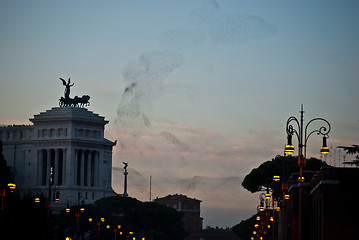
(68, 113)
(177, 197)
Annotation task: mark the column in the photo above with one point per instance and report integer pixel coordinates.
(92, 169)
(86, 154)
(44, 167)
(52, 159)
(82, 167)
(60, 166)
(78, 167)
(39, 166)
(70, 166)
(88, 170)
(56, 167)
(48, 154)
(97, 166)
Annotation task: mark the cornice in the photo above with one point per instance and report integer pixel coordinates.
(57, 143)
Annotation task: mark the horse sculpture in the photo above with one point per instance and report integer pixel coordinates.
(72, 102)
(75, 102)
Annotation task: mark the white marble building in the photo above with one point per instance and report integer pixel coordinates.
(65, 147)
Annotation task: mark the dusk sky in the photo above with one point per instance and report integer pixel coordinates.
(197, 92)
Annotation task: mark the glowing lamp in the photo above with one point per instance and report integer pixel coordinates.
(90, 219)
(286, 197)
(37, 200)
(82, 209)
(261, 208)
(268, 196)
(108, 226)
(324, 149)
(289, 148)
(254, 232)
(118, 226)
(102, 219)
(300, 179)
(256, 225)
(258, 218)
(11, 185)
(276, 178)
(268, 226)
(271, 219)
(277, 209)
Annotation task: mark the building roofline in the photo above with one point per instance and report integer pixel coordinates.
(177, 197)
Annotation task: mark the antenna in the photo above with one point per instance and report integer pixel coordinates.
(150, 188)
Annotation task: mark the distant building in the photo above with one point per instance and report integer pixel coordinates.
(190, 207)
(329, 209)
(63, 149)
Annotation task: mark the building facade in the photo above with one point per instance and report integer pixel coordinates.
(329, 209)
(62, 155)
(190, 207)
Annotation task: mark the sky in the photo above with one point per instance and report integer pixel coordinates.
(197, 92)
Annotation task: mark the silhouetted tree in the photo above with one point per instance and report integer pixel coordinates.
(354, 149)
(6, 175)
(260, 178)
(144, 219)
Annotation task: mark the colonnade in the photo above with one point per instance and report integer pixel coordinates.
(51, 166)
(86, 166)
(61, 166)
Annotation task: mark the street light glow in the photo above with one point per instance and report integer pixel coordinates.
(324, 149)
(11, 185)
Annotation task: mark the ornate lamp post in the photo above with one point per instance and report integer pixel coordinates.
(302, 145)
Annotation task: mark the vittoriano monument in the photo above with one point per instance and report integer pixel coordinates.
(72, 102)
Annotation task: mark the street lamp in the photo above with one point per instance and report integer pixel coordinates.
(12, 186)
(324, 149)
(302, 145)
(276, 178)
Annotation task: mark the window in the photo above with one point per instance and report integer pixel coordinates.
(43, 133)
(59, 132)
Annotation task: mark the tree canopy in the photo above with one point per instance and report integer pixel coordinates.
(143, 219)
(6, 175)
(259, 178)
(354, 149)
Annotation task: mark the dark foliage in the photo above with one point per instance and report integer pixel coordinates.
(260, 178)
(145, 219)
(244, 229)
(354, 149)
(25, 219)
(6, 175)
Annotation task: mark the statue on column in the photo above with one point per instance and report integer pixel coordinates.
(66, 101)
